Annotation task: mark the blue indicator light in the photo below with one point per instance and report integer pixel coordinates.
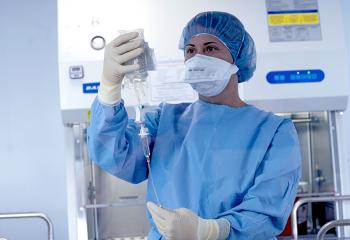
(91, 87)
(297, 76)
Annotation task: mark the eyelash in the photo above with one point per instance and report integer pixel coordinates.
(189, 49)
(213, 48)
(206, 49)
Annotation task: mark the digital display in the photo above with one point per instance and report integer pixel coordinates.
(296, 76)
(76, 72)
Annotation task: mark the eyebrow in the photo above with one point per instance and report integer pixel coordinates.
(207, 43)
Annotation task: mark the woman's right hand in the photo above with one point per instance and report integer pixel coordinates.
(117, 53)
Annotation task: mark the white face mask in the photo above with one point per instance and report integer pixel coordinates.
(208, 75)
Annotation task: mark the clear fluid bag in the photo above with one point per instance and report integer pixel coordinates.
(146, 61)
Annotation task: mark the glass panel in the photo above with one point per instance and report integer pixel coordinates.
(317, 172)
(119, 206)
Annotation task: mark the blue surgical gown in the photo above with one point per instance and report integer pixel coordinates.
(242, 164)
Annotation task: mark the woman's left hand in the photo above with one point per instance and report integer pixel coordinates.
(182, 223)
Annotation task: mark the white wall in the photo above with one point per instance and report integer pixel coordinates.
(32, 166)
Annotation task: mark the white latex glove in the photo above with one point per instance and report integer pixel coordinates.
(183, 224)
(121, 50)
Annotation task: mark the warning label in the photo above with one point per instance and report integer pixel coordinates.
(293, 20)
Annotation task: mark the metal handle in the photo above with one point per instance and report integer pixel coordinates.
(31, 215)
(305, 120)
(305, 195)
(310, 200)
(325, 228)
(109, 205)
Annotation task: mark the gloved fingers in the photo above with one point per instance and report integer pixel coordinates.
(124, 38)
(164, 213)
(128, 56)
(131, 45)
(159, 221)
(169, 236)
(183, 211)
(155, 215)
(162, 229)
(166, 232)
(128, 68)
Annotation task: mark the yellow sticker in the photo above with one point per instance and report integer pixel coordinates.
(89, 115)
(294, 19)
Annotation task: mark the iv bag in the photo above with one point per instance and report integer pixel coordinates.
(146, 61)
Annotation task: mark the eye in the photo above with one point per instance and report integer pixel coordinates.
(211, 48)
(190, 50)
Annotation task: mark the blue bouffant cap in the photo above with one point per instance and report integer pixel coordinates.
(231, 32)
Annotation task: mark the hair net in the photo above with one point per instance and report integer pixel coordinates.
(231, 32)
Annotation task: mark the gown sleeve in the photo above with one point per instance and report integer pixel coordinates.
(114, 144)
(265, 208)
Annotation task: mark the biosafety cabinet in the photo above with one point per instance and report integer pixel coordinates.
(302, 73)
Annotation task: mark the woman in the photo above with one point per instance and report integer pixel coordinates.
(223, 169)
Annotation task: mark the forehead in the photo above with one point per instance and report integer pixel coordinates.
(204, 38)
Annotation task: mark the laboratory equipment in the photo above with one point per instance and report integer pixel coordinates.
(302, 73)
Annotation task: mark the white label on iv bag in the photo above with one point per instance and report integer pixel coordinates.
(165, 85)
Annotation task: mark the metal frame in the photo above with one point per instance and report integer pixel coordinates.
(332, 224)
(31, 215)
(333, 130)
(79, 179)
(311, 200)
